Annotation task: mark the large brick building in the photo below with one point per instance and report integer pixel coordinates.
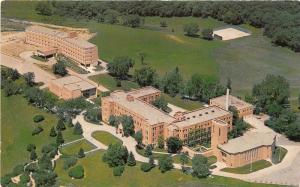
(68, 44)
(213, 122)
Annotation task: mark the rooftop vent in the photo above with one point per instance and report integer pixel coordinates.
(194, 116)
(212, 111)
(206, 112)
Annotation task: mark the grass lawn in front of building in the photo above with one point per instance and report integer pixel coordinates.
(279, 154)
(105, 137)
(73, 149)
(258, 165)
(98, 173)
(16, 128)
(182, 103)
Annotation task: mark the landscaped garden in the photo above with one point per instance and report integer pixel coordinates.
(100, 174)
(249, 168)
(16, 132)
(73, 148)
(105, 137)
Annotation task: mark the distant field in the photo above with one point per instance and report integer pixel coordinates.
(246, 60)
(16, 127)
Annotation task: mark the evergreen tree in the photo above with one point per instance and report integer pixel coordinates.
(59, 138)
(53, 132)
(131, 160)
(151, 161)
(81, 153)
(77, 129)
(33, 155)
(60, 125)
(31, 147)
(161, 142)
(148, 151)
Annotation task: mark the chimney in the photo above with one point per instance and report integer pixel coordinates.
(227, 99)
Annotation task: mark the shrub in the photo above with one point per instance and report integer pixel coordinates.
(69, 162)
(31, 147)
(118, 171)
(49, 148)
(24, 178)
(6, 179)
(145, 167)
(37, 131)
(18, 170)
(77, 172)
(38, 118)
(31, 167)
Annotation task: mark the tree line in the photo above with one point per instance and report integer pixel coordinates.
(280, 20)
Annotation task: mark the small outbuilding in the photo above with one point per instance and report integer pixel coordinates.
(229, 34)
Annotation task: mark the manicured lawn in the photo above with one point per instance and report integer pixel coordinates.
(110, 82)
(39, 58)
(258, 165)
(154, 155)
(105, 138)
(279, 154)
(16, 127)
(98, 173)
(72, 149)
(183, 103)
(176, 159)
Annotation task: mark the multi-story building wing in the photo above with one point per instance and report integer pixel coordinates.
(79, 50)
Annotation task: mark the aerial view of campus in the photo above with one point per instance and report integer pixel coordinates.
(150, 93)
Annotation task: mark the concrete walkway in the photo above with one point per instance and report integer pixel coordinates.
(129, 142)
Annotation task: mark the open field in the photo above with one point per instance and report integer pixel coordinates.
(98, 173)
(72, 149)
(105, 138)
(16, 127)
(258, 165)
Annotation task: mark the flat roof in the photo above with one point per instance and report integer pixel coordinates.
(201, 115)
(144, 91)
(230, 33)
(146, 110)
(73, 83)
(232, 101)
(248, 141)
(45, 30)
(80, 42)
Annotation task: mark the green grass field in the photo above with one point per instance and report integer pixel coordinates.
(105, 138)
(258, 165)
(110, 82)
(98, 173)
(72, 149)
(16, 127)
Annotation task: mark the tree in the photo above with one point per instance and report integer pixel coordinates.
(293, 132)
(120, 66)
(184, 159)
(13, 74)
(144, 76)
(207, 34)
(113, 121)
(118, 170)
(116, 155)
(228, 84)
(131, 160)
(44, 8)
(29, 78)
(174, 144)
(138, 136)
(161, 142)
(231, 17)
(165, 163)
(52, 132)
(77, 129)
(132, 20)
(33, 155)
(111, 16)
(163, 24)
(38, 118)
(127, 124)
(76, 172)
(81, 153)
(299, 101)
(59, 138)
(162, 104)
(31, 147)
(191, 29)
(59, 68)
(200, 166)
(172, 82)
(93, 114)
(60, 125)
(148, 151)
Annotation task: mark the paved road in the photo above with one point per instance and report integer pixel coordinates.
(28, 66)
(129, 142)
